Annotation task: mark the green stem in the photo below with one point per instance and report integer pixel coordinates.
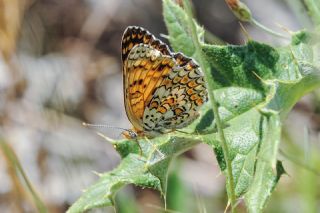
(257, 24)
(213, 103)
(12, 158)
(314, 10)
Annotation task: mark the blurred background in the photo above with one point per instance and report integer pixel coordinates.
(60, 65)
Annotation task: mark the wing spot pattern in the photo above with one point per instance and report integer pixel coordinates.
(163, 90)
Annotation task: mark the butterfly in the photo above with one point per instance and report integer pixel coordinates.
(163, 91)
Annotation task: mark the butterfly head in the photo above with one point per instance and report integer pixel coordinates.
(129, 134)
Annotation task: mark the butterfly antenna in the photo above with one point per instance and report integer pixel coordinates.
(101, 126)
(132, 133)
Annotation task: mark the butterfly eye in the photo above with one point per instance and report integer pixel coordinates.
(132, 133)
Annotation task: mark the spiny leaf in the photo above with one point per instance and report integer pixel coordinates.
(176, 20)
(282, 82)
(242, 137)
(250, 80)
(256, 85)
(131, 170)
(268, 170)
(144, 164)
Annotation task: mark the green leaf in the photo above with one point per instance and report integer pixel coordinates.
(144, 163)
(278, 78)
(314, 10)
(176, 20)
(252, 82)
(256, 85)
(243, 141)
(131, 170)
(268, 170)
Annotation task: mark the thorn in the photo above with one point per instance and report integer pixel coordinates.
(245, 32)
(155, 147)
(257, 76)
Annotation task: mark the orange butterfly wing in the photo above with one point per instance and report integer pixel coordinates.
(142, 70)
(162, 91)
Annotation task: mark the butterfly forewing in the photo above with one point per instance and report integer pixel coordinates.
(133, 36)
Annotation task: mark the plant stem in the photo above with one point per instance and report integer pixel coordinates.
(314, 10)
(257, 24)
(13, 160)
(207, 74)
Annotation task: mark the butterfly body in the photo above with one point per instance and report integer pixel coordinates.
(162, 90)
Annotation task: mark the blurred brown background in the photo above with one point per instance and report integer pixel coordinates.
(60, 65)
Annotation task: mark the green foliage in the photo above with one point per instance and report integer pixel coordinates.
(255, 85)
(144, 163)
(313, 7)
(178, 197)
(126, 202)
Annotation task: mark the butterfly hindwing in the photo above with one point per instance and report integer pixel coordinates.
(175, 105)
(145, 69)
